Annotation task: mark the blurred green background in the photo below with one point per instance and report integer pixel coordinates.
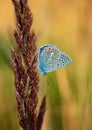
(68, 25)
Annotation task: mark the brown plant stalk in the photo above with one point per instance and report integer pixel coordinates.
(24, 60)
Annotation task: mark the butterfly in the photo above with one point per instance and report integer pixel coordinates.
(50, 58)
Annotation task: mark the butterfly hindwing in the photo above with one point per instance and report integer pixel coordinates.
(50, 58)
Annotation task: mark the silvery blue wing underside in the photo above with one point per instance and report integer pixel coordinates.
(50, 58)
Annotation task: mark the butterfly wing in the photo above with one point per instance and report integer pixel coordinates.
(50, 58)
(41, 61)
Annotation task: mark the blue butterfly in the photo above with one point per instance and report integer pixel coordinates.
(50, 58)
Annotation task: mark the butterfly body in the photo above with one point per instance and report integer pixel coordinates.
(50, 58)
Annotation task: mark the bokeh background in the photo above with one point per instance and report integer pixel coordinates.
(68, 25)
